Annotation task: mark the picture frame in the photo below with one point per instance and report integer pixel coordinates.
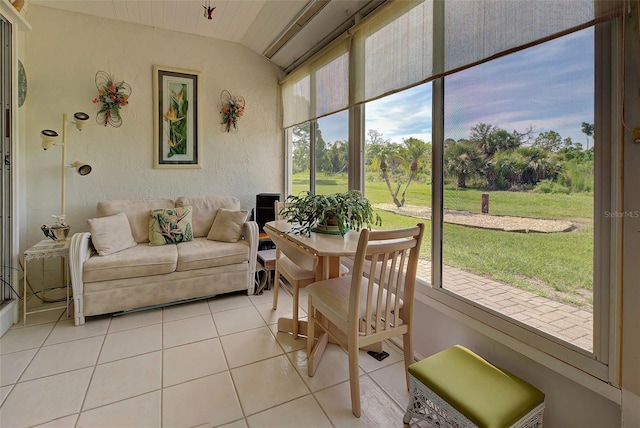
(176, 120)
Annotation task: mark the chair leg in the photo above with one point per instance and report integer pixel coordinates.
(407, 345)
(354, 379)
(276, 287)
(310, 328)
(296, 297)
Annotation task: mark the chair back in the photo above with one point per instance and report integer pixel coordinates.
(301, 257)
(278, 206)
(383, 279)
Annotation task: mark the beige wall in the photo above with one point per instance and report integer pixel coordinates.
(63, 52)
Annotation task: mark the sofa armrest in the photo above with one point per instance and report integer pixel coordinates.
(250, 234)
(80, 250)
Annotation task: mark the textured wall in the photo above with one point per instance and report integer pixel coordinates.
(63, 52)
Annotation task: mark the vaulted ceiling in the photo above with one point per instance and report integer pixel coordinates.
(284, 31)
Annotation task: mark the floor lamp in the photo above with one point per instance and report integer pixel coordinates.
(60, 230)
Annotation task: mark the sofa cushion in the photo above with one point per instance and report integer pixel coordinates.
(111, 234)
(141, 260)
(170, 225)
(137, 212)
(205, 209)
(202, 253)
(227, 225)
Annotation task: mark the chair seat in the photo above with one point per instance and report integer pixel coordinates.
(485, 394)
(334, 293)
(298, 273)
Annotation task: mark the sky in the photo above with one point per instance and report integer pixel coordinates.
(548, 87)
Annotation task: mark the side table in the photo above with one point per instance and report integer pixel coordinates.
(268, 260)
(46, 249)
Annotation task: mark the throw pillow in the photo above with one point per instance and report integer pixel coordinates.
(227, 225)
(170, 226)
(111, 234)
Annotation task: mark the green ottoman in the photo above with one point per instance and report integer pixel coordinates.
(457, 388)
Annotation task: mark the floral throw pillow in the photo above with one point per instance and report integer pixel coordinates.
(170, 226)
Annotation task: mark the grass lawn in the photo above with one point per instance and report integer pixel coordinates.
(536, 262)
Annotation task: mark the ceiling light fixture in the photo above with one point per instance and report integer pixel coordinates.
(208, 10)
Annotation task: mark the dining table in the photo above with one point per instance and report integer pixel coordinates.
(329, 248)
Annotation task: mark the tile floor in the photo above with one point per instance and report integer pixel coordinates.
(219, 362)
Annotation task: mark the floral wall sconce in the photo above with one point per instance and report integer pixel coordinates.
(232, 110)
(112, 95)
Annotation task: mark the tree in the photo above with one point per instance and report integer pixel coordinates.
(320, 147)
(587, 129)
(335, 158)
(549, 140)
(462, 160)
(381, 154)
(301, 148)
(480, 134)
(490, 139)
(417, 151)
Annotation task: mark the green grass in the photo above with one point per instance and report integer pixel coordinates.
(537, 262)
(519, 204)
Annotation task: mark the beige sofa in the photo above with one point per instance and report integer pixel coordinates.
(142, 274)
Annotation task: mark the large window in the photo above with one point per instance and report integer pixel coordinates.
(332, 153)
(397, 162)
(486, 131)
(519, 186)
(323, 168)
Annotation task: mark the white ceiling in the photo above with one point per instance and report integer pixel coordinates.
(257, 24)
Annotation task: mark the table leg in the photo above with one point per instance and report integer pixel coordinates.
(285, 325)
(24, 295)
(328, 267)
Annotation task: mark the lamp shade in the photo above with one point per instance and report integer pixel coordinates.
(81, 119)
(82, 168)
(48, 137)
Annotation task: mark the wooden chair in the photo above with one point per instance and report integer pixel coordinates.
(296, 264)
(366, 311)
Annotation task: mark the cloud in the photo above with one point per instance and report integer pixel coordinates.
(549, 87)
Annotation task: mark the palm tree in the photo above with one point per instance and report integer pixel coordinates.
(587, 129)
(417, 150)
(381, 155)
(462, 160)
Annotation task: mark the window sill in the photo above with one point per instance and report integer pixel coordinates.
(571, 363)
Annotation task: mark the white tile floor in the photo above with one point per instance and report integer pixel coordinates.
(219, 362)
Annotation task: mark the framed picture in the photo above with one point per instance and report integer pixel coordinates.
(176, 118)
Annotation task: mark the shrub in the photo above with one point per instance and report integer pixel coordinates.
(548, 186)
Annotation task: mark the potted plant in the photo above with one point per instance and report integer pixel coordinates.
(334, 213)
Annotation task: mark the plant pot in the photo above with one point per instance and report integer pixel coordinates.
(328, 229)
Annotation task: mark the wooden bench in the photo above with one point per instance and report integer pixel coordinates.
(457, 388)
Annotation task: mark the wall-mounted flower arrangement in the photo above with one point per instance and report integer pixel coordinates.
(232, 110)
(112, 96)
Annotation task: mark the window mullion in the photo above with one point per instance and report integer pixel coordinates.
(437, 145)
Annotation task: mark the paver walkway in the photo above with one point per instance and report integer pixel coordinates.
(567, 322)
